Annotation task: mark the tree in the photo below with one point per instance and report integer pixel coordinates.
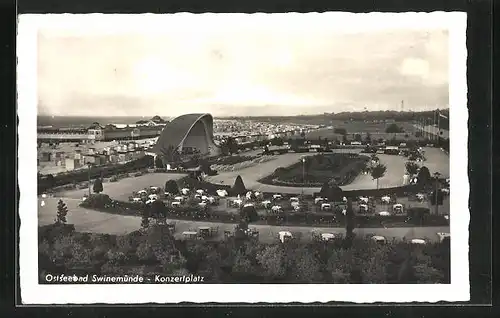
(62, 211)
(357, 137)
(277, 142)
(232, 146)
(249, 214)
(239, 186)
(406, 274)
(224, 149)
(158, 209)
(436, 198)
(205, 166)
(333, 193)
(349, 227)
(344, 139)
(50, 180)
(412, 168)
(266, 149)
(356, 275)
(272, 260)
(336, 193)
(98, 188)
(172, 187)
(378, 172)
(393, 129)
(302, 265)
(340, 131)
(424, 176)
(158, 162)
(368, 138)
(325, 190)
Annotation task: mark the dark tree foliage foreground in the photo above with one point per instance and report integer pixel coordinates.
(144, 222)
(154, 250)
(98, 188)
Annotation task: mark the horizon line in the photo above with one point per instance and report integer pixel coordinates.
(249, 116)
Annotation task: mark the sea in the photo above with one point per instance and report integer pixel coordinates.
(85, 121)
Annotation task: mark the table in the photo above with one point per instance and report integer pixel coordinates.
(190, 234)
(327, 236)
(284, 234)
(204, 230)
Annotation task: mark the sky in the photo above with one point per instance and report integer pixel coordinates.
(239, 67)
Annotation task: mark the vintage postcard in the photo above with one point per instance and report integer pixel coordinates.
(245, 158)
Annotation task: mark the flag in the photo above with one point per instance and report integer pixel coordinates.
(441, 115)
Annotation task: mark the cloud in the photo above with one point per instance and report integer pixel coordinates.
(301, 68)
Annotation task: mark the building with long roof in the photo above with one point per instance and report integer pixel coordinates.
(190, 133)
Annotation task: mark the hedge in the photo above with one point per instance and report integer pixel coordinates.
(192, 213)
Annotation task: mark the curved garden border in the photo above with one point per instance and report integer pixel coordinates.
(269, 180)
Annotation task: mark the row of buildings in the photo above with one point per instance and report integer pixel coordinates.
(76, 159)
(97, 132)
(250, 131)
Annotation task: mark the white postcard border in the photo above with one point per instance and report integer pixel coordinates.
(34, 293)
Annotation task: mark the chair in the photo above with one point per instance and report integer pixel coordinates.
(315, 236)
(255, 235)
(214, 230)
(297, 235)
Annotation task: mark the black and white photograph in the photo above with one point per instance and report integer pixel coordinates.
(295, 157)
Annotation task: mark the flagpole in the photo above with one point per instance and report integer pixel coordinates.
(439, 128)
(434, 126)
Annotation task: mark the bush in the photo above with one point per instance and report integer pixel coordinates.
(238, 187)
(249, 214)
(424, 176)
(62, 211)
(97, 201)
(54, 231)
(98, 188)
(172, 187)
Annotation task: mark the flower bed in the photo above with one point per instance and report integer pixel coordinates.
(318, 169)
(231, 160)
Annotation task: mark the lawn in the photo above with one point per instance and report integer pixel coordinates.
(123, 188)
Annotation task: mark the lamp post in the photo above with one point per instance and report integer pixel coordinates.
(89, 166)
(303, 174)
(436, 176)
